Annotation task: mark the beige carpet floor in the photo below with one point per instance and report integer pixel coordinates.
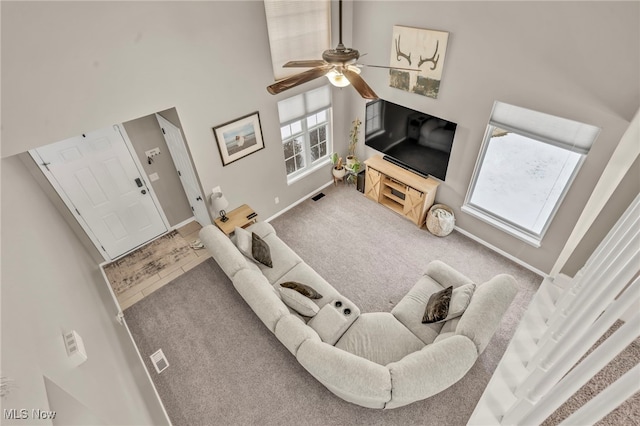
(227, 369)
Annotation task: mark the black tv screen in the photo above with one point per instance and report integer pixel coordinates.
(411, 139)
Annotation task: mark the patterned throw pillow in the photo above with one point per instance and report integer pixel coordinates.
(437, 306)
(260, 250)
(305, 290)
(444, 309)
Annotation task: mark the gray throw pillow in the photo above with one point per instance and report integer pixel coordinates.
(305, 290)
(437, 306)
(260, 250)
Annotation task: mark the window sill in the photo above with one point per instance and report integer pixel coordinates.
(307, 171)
(503, 226)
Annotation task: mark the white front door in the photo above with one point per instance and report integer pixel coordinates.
(100, 179)
(181, 160)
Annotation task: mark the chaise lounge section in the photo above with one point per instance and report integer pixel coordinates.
(377, 360)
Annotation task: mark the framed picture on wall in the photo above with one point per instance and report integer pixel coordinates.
(239, 138)
(420, 49)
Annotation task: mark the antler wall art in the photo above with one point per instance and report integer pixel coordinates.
(430, 47)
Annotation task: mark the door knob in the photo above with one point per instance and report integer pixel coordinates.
(143, 191)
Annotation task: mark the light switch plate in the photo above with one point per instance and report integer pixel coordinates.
(153, 177)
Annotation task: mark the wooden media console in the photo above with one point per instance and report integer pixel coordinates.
(399, 189)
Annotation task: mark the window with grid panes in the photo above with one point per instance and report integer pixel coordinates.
(305, 128)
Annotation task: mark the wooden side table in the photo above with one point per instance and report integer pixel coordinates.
(241, 217)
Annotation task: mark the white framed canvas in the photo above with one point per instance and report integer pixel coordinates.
(239, 138)
(422, 50)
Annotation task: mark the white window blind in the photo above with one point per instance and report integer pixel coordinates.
(562, 132)
(304, 104)
(297, 30)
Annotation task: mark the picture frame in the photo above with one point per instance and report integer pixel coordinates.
(421, 49)
(238, 138)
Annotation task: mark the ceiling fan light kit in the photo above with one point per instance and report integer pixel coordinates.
(339, 65)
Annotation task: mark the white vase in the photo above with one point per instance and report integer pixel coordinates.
(339, 173)
(351, 160)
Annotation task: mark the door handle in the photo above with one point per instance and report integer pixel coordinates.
(143, 192)
(139, 182)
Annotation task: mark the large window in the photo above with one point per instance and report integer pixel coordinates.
(305, 127)
(526, 165)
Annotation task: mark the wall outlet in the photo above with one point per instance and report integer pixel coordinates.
(277, 200)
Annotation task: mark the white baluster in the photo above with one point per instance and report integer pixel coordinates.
(583, 372)
(607, 400)
(542, 379)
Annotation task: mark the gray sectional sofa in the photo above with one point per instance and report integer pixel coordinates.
(376, 360)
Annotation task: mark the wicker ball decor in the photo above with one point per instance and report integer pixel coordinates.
(438, 225)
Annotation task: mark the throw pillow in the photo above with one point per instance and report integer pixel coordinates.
(304, 290)
(260, 250)
(299, 303)
(243, 241)
(460, 299)
(437, 306)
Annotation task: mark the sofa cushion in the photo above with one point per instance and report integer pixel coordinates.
(223, 250)
(259, 295)
(487, 308)
(431, 370)
(445, 275)
(410, 309)
(262, 229)
(304, 290)
(298, 302)
(303, 273)
(282, 257)
(448, 329)
(379, 337)
(292, 331)
(350, 377)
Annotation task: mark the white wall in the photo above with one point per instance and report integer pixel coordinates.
(72, 66)
(578, 60)
(51, 285)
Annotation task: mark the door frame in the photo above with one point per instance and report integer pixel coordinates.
(72, 209)
(190, 168)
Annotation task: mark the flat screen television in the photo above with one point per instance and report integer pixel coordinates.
(411, 139)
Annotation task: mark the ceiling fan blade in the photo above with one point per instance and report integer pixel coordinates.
(391, 68)
(305, 63)
(359, 84)
(297, 79)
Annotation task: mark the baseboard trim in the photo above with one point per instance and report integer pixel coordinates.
(306, 197)
(183, 223)
(501, 252)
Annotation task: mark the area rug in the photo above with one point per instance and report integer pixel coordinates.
(146, 261)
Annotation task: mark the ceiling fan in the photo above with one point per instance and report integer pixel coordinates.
(338, 65)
